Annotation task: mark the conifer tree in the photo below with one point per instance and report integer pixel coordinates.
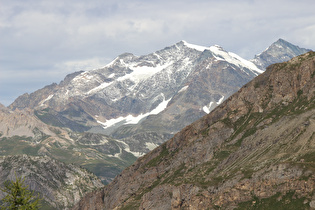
(18, 197)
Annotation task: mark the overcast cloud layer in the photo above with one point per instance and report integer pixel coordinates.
(43, 41)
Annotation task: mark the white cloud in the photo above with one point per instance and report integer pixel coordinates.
(60, 36)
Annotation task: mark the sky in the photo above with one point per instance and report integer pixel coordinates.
(41, 41)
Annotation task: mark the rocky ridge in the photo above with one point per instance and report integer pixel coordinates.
(254, 150)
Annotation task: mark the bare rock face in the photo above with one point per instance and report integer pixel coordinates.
(22, 123)
(59, 184)
(256, 149)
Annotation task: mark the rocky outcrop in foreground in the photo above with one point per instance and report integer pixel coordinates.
(59, 184)
(257, 149)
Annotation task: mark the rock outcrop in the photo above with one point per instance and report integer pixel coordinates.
(59, 184)
(254, 150)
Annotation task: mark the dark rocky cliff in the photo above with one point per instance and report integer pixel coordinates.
(255, 150)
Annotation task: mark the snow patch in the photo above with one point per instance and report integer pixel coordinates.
(140, 73)
(151, 146)
(220, 54)
(196, 47)
(183, 89)
(234, 59)
(111, 75)
(206, 109)
(127, 149)
(220, 100)
(100, 87)
(158, 56)
(135, 119)
(247, 63)
(47, 99)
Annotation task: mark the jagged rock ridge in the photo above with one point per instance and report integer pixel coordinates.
(254, 150)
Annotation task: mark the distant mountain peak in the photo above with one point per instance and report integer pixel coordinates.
(193, 46)
(278, 52)
(202, 48)
(281, 43)
(132, 85)
(133, 89)
(280, 40)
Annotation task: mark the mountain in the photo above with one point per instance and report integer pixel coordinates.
(143, 100)
(279, 51)
(254, 151)
(104, 119)
(124, 110)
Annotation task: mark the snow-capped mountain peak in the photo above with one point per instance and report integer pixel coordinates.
(137, 82)
(196, 47)
(130, 85)
(277, 52)
(150, 95)
(221, 54)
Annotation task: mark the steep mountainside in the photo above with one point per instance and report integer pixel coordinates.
(145, 100)
(255, 150)
(59, 184)
(279, 51)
